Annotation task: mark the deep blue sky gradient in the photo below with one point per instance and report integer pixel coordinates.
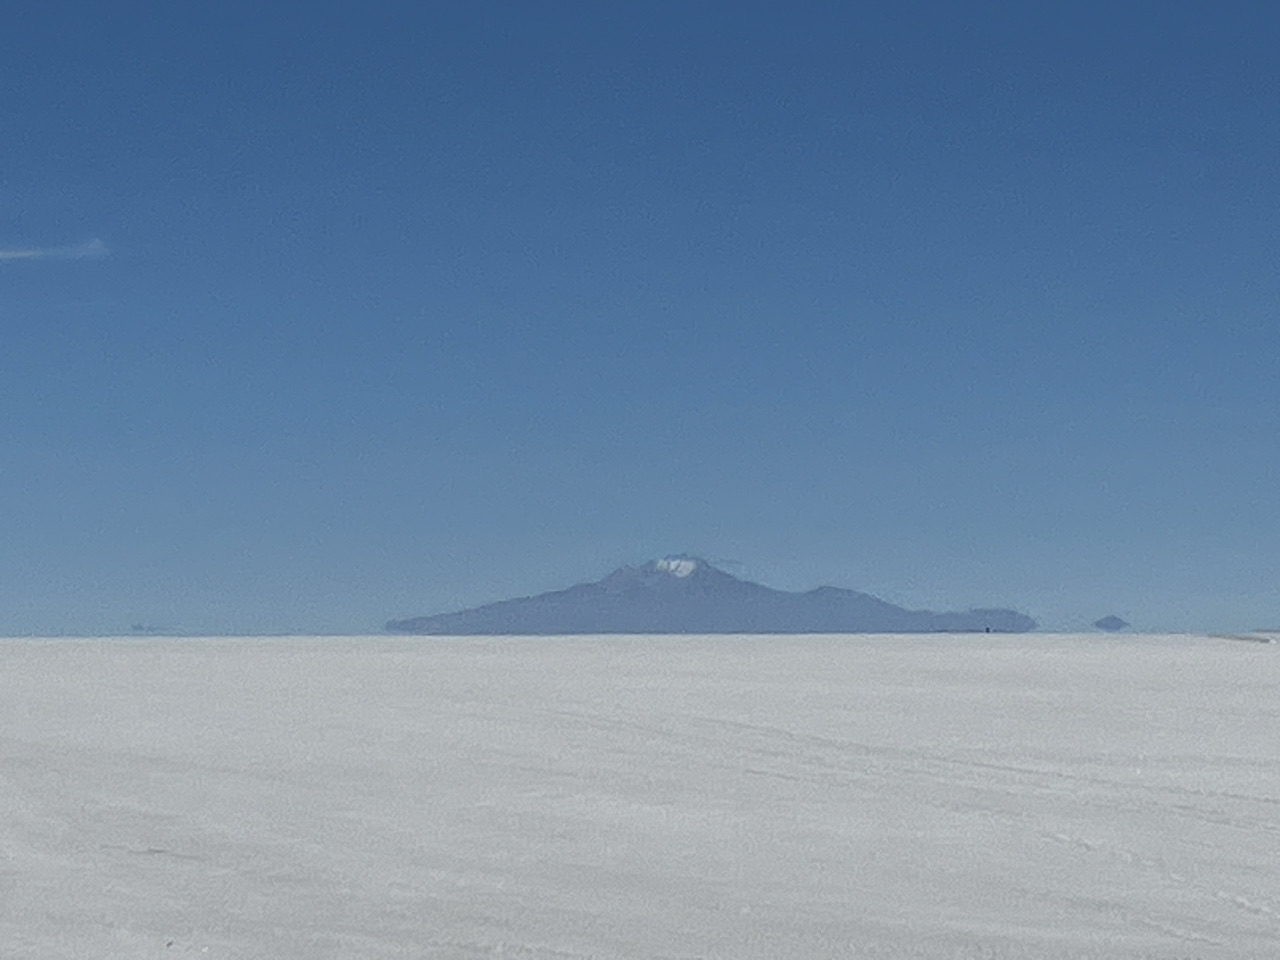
(413, 307)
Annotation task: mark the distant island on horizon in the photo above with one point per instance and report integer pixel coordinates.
(686, 595)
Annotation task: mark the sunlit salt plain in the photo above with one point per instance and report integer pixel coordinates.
(802, 797)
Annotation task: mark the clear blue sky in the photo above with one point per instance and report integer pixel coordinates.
(400, 308)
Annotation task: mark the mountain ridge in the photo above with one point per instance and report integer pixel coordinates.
(683, 594)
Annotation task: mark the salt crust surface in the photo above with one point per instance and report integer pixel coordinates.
(552, 799)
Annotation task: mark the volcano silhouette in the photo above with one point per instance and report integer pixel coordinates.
(685, 594)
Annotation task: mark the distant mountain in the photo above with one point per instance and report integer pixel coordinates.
(687, 595)
(1111, 624)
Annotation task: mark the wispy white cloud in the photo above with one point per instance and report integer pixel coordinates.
(93, 250)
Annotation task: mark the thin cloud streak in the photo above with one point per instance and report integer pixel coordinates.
(93, 250)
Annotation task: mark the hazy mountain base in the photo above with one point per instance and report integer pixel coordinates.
(1036, 797)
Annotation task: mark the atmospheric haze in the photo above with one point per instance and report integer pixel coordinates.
(733, 797)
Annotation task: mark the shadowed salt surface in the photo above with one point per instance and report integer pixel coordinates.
(1028, 797)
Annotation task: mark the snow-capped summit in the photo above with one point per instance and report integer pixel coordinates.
(682, 594)
(677, 566)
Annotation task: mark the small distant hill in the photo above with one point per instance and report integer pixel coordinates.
(1111, 624)
(683, 594)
